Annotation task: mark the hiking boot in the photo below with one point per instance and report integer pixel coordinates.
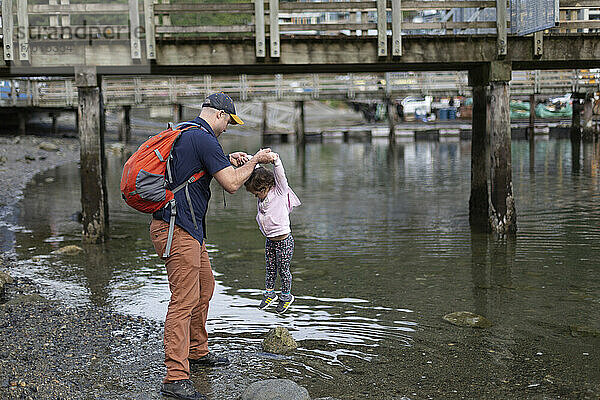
(268, 299)
(182, 389)
(209, 360)
(283, 305)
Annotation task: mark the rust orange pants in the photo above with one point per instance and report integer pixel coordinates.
(192, 283)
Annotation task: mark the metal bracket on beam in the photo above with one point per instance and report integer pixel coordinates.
(134, 29)
(23, 29)
(274, 28)
(396, 28)
(382, 28)
(502, 40)
(259, 27)
(150, 31)
(7, 31)
(538, 43)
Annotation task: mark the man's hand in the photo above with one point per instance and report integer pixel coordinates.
(238, 158)
(274, 156)
(263, 156)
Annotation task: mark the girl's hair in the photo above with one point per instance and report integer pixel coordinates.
(260, 179)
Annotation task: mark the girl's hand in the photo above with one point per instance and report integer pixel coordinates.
(274, 157)
(238, 158)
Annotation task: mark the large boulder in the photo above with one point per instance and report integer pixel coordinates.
(467, 319)
(275, 389)
(279, 341)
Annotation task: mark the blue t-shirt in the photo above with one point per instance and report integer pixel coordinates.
(195, 150)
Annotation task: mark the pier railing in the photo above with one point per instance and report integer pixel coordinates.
(164, 90)
(29, 28)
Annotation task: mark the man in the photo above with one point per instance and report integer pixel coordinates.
(191, 280)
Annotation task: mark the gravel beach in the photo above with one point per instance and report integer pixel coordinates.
(49, 350)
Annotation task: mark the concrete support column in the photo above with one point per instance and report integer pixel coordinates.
(391, 112)
(94, 201)
(299, 125)
(491, 206)
(587, 124)
(125, 124)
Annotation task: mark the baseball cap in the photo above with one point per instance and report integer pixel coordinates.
(220, 101)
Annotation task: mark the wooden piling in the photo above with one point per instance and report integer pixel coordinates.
(54, 117)
(502, 214)
(178, 112)
(265, 122)
(94, 201)
(299, 125)
(575, 133)
(531, 130)
(587, 123)
(478, 201)
(391, 112)
(125, 124)
(491, 205)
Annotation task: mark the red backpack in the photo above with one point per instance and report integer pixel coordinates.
(147, 176)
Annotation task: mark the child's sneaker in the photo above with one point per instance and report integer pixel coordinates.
(268, 299)
(283, 305)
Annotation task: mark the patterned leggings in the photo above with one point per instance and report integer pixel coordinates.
(278, 255)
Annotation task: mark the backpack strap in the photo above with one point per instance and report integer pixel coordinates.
(173, 206)
(169, 178)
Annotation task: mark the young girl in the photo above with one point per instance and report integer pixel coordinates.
(275, 200)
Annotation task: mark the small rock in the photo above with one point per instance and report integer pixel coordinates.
(48, 146)
(467, 319)
(275, 389)
(279, 341)
(71, 250)
(29, 157)
(580, 330)
(26, 299)
(4, 279)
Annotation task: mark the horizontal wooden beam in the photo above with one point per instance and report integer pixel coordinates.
(206, 29)
(107, 8)
(580, 24)
(579, 4)
(204, 7)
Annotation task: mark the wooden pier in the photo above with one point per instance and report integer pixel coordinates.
(142, 38)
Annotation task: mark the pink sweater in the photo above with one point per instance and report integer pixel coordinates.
(273, 212)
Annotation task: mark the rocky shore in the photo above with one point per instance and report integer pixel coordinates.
(49, 350)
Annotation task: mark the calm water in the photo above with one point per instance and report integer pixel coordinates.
(383, 249)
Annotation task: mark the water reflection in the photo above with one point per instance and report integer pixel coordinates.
(383, 249)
